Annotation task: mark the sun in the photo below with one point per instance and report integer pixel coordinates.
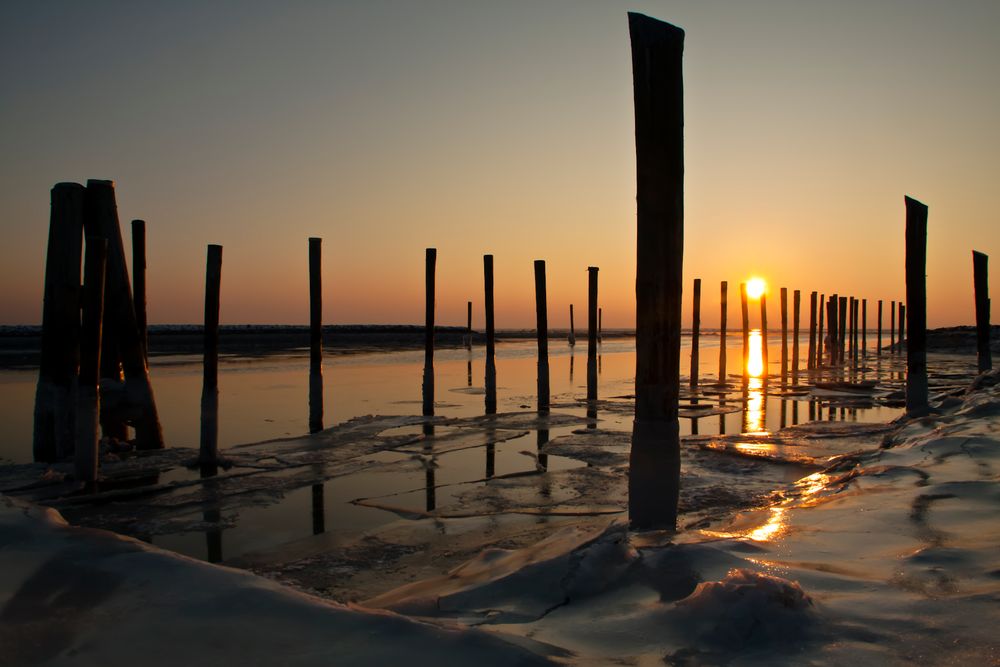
(756, 288)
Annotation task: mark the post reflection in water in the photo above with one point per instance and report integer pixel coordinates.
(571, 357)
(754, 390)
(429, 484)
(543, 459)
(212, 517)
(318, 513)
(469, 374)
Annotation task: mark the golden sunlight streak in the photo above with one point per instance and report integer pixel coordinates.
(773, 528)
(755, 360)
(756, 288)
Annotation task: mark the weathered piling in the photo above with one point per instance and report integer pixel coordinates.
(491, 342)
(315, 335)
(430, 263)
(54, 430)
(916, 301)
(746, 330)
(902, 326)
(820, 340)
(723, 324)
(864, 328)
(468, 327)
(592, 333)
(208, 453)
(139, 282)
(600, 325)
(842, 323)
(811, 354)
(796, 309)
(654, 460)
(878, 334)
(784, 333)
(101, 219)
(850, 328)
(572, 327)
(832, 329)
(892, 327)
(88, 396)
(763, 334)
(542, 333)
(856, 332)
(980, 282)
(695, 331)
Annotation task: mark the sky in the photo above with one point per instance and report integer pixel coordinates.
(505, 128)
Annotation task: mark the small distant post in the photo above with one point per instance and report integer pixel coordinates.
(139, 282)
(208, 453)
(864, 328)
(723, 324)
(878, 335)
(542, 333)
(980, 280)
(811, 361)
(746, 329)
(468, 328)
(842, 323)
(315, 335)
(654, 460)
(572, 328)
(491, 364)
(88, 397)
(850, 328)
(54, 431)
(820, 341)
(832, 329)
(796, 308)
(430, 263)
(784, 333)
(916, 299)
(902, 325)
(892, 327)
(600, 325)
(855, 303)
(695, 331)
(763, 334)
(592, 333)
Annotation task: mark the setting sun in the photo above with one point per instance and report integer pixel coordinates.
(756, 288)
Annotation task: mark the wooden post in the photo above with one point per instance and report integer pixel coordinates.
(916, 301)
(784, 333)
(820, 341)
(842, 323)
(850, 328)
(491, 364)
(468, 328)
(980, 281)
(746, 330)
(902, 326)
(695, 331)
(542, 333)
(430, 262)
(101, 219)
(723, 315)
(796, 308)
(208, 453)
(811, 355)
(315, 335)
(831, 325)
(592, 333)
(878, 335)
(54, 430)
(855, 317)
(654, 461)
(892, 327)
(139, 282)
(763, 335)
(88, 397)
(600, 325)
(864, 328)
(572, 327)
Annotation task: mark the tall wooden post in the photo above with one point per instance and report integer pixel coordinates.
(88, 397)
(592, 333)
(468, 327)
(763, 335)
(54, 430)
(831, 325)
(784, 333)
(542, 333)
(315, 335)
(600, 325)
(723, 324)
(842, 323)
(892, 327)
(491, 364)
(139, 282)
(980, 281)
(851, 324)
(902, 325)
(695, 332)
(101, 219)
(916, 302)
(864, 328)
(654, 461)
(820, 340)
(209, 449)
(811, 360)
(572, 327)
(430, 263)
(796, 308)
(746, 330)
(878, 335)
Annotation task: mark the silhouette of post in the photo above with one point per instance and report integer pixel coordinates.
(902, 326)
(315, 335)
(430, 262)
(784, 333)
(878, 335)
(88, 397)
(820, 341)
(101, 219)
(600, 325)
(811, 356)
(54, 431)
(763, 334)
(916, 301)
(723, 315)
(850, 328)
(842, 324)
(864, 328)
(654, 461)
(139, 282)
(592, 333)
(855, 345)
(572, 327)
(695, 331)
(208, 453)
(831, 325)
(892, 327)
(980, 281)
(491, 363)
(746, 329)
(796, 308)
(468, 328)
(542, 333)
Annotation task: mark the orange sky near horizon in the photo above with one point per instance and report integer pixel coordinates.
(389, 127)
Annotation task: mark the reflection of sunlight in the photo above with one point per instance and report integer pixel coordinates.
(774, 527)
(755, 448)
(755, 358)
(753, 416)
(756, 288)
(811, 485)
